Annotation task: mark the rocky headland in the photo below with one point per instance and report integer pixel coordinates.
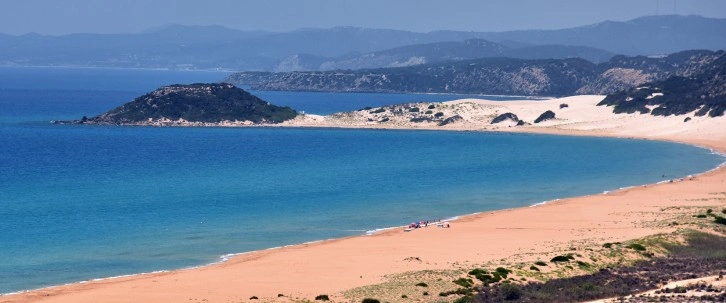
(200, 104)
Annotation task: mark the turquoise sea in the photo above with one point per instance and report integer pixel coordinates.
(85, 202)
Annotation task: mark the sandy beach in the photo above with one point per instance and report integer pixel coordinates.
(335, 267)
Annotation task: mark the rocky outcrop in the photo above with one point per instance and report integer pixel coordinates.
(451, 120)
(548, 115)
(702, 91)
(504, 117)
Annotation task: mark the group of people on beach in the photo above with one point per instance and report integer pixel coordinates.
(425, 223)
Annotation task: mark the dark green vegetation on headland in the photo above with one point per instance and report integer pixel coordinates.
(204, 103)
(702, 89)
(549, 77)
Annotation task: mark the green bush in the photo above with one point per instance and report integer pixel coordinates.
(701, 216)
(404, 297)
(463, 282)
(723, 211)
(540, 263)
(503, 271)
(477, 271)
(487, 278)
(425, 293)
(708, 211)
(583, 264)
(607, 245)
(414, 110)
(370, 300)
(428, 112)
(439, 115)
(460, 291)
(422, 284)
(533, 268)
(378, 111)
(636, 246)
(322, 298)
(719, 220)
(432, 106)
(558, 259)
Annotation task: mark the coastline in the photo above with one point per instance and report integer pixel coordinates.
(333, 266)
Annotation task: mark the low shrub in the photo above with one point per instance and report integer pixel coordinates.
(404, 297)
(439, 115)
(503, 271)
(563, 105)
(464, 299)
(370, 300)
(425, 293)
(428, 112)
(477, 271)
(559, 259)
(583, 264)
(378, 111)
(460, 291)
(701, 216)
(322, 298)
(719, 220)
(535, 268)
(636, 246)
(422, 284)
(540, 263)
(723, 211)
(414, 110)
(280, 295)
(510, 292)
(708, 211)
(432, 106)
(463, 282)
(254, 298)
(607, 245)
(487, 278)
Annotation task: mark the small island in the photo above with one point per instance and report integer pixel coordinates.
(199, 104)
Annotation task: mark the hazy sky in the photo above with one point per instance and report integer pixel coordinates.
(57, 17)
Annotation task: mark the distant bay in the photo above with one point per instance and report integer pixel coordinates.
(85, 202)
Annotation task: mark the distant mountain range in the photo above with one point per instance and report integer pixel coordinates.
(507, 76)
(215, 47)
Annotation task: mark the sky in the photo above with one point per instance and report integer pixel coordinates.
(58, 17)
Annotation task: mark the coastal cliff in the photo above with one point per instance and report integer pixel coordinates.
(200, 104)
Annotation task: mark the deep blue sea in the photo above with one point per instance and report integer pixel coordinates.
(83, 202)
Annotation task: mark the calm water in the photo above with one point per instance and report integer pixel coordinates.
(84, 202)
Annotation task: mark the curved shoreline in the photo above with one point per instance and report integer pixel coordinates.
(229, 256)
(116, 289)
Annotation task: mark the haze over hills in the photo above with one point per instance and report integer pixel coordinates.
(215, 47)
